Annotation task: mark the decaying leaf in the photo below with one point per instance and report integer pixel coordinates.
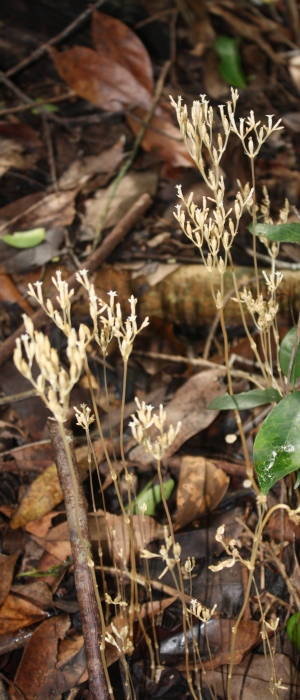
(144, 532)
(17, 612)
(100, 80)
(164, 137)
(201, 488)
(7, 565)
(251, 678)
(83, 169)
(188, 405)
(12, 156)
(118, 42)
(45, 492)
(35, 211)
(132, 186)
(38, 681)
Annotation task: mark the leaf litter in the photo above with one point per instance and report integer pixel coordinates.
(117, 76)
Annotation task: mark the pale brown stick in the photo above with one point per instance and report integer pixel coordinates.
(92, 263)
(89, 613)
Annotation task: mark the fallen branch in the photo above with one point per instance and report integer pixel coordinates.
(88, 607)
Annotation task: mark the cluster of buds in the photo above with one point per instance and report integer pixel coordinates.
(54, 383)
(204, 614)
(124, 644)
(164, 553)
(197, 131)
(141, 425)
(251, 133)
(112, 325)
(231, 549)
(216, 229)
(263, 311)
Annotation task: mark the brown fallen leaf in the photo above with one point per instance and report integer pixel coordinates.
(132, 186)
(118, 42)
(41, 680)
(217, 634)
(35, 591)
(12, 156)
(17, 613)
(57, 543)
(45, 492)
(200, 489)
(188, 405)
(144, 532)
(84, 168)
(34, 211)
(251, 678)
(100, 80)
(7, 565)
(164, 137)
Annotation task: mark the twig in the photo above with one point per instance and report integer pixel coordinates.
(55, 40)
(199, 362)
(144, 581)
(49, 101)
(92, 263)
(89, 613)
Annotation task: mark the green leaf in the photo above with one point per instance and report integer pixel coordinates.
(230, 66)
(285, 352)
(277, 445)
(284, 233)
(151, 495)
(50, 108)
(25, 239)
(293, 630)
(247, 399)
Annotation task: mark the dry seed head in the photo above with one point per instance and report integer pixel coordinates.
(84, 417)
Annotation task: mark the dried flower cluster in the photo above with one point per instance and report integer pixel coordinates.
(54, 383)
(141, 425)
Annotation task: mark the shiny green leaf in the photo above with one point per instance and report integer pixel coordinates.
(246, 399)
(285, 352)
(277, 445)
(293, 630)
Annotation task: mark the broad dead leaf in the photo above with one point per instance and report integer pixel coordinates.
(217, 634)
(144, 532)
(17, 612)
(34, 211)
(45, 492)
(35, 591)
(119, 43)
(57, 543)
(164, 137)
(12, 156)
(188, 405)
(100, 80)
(7, 565)
(201, 488)
(84, 168)
(42, 680)
(251, 678)
(132, 186)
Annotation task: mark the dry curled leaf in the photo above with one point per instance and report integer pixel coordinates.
(200, 489)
